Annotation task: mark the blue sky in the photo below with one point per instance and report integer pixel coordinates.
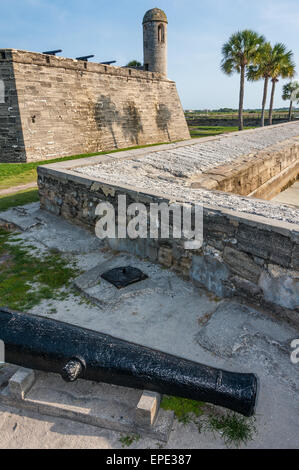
(197, 30)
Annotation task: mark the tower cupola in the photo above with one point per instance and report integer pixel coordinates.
(155, 41)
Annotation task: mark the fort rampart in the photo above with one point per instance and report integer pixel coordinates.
(55, 107)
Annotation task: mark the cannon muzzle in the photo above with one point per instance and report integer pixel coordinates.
(52, 346)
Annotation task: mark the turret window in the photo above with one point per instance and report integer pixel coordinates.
(161, 33)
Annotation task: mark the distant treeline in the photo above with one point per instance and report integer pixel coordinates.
(235, 111)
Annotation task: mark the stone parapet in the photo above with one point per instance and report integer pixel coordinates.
(55, 107)
(242, 254)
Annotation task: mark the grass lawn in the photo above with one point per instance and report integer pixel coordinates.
(18, 199)
(14, 174)
(208, 131)
(234, 429)
(26, 278)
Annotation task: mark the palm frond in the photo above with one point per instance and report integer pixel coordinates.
(241, 50)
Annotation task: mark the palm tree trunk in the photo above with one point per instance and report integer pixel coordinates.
(272, 102)
(290, 110)
(264, 101)
(241, 102)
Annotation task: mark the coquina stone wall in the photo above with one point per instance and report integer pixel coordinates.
(12, 145)
(56, 107)
(262, 175)
(242, 254)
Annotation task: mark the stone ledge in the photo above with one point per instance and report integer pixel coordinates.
(88, 402)
(39, 59)
(270, 224)
(250, 175)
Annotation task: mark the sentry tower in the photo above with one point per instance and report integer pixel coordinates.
(155, 41)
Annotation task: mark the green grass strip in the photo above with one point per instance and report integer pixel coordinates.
(14, 174)
(27, 278)
(18, 199)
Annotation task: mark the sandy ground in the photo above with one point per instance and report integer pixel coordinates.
(14, 189)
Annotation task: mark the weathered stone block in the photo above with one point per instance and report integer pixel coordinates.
(242, 264)
(183, 266)
(147, 408)
(152, 252)
(211, 273)
(295, 257)
(247, 289)
(165, 257)
(217, 223)
(265, 244)
(21, 382)
(50, 206)
(281, 287)
(68, 211)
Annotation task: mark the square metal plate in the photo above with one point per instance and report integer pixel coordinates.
(124, 276)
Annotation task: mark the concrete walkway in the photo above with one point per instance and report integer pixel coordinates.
(15, 189)
(289, 196)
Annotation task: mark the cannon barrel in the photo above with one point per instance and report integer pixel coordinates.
(53, 346)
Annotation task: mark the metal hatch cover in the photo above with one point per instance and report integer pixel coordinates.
(124, 276)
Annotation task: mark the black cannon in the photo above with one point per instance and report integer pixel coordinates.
(56, 51)
(85, 57)
(53, 346)
(109, 62)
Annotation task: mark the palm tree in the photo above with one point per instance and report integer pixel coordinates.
(262, 71)
(283, 67)
(239, 53)
(269, 60)
(291, 92)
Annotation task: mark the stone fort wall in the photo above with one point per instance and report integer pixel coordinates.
(243, 254)
(56, 107)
